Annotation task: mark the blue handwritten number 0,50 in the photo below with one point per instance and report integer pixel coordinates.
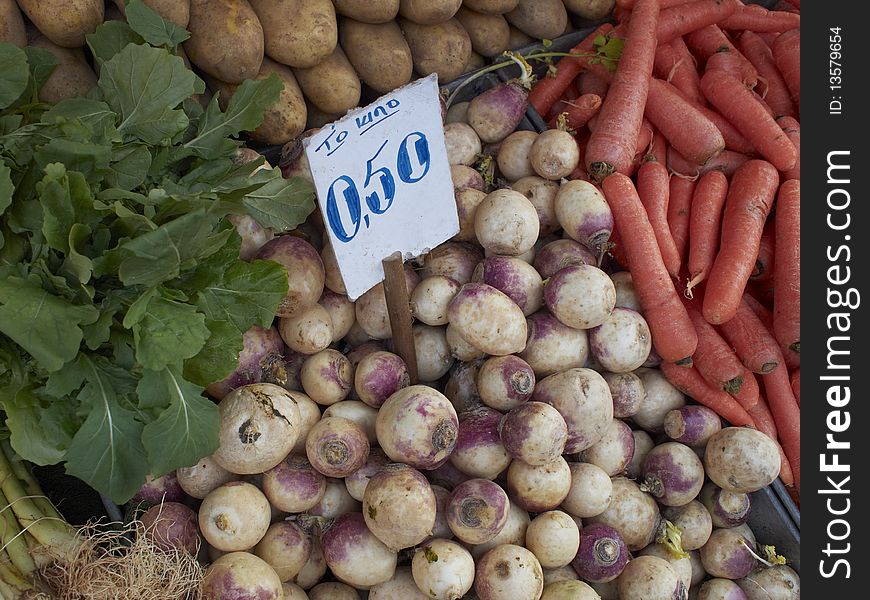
(412, 165)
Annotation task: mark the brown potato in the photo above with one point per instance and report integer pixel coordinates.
(429, 12)
(368, 11)
(226, 39)
(177, 11)
(490, 34)
(285, 119)
(333, 86)
(298, 33)
(518, 39)
(541, 19)
(378, 52)
(12, 24)
(71, 78)
(590, 9)
(491, 7)
(317, 118)
(64, 22)
(475, 61)
(444, 48)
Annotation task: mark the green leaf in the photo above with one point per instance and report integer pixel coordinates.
(91, 160)
(107, 451)
(41, 430)
(248, 294)
(281, 204)
(145, 85)
(14, 73)
(186, 430)
(98, 332)
(219, 356)
(77, 264)
(110, 38)
(6, 187)
(153, 28)
(66, 199)
(609, 50)
(42, 63)
(96, 117)
(244, 113)
(129, 167)
(136, 312)
(45, 325)
(168, 333)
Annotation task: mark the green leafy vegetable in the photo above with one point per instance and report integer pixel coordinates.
(609, 50)
(122, 294)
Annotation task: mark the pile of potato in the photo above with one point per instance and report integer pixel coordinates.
(325, 51)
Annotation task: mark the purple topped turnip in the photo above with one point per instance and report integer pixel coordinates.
(401, 585)
(241, 575)
(583, 399)
(293, 591)
(332, 275)
(739, 459)
(460, 348)
(602, 554)
(479, 451)
(692, 425)
(477, 510)
(337, 446)
(513, 532)
(260, 361)
(614, 451)
(309, 415)
(467, 201)
(399, 506)
(505, 222)
(495, 113)
(622, 342)
(728, 554)
(336, 501)
(580, 296)
(566, 573)
(643, 443)
(672, 473)
(660, 397)
(632, 512)
(455, 260)
(534, 433)
(286, 547)
(461, 385)
(259, 427)
(650, 578)
(293, 485)
(161, 489)
(341, 311)
(590, 492)
(509, 571)
(444, 569)
(727, 509)
(626, 296)
(333, 590)
(357, 481)
(357, 411)
(553, 347)
(559, 254)
(327, 377)
(172, 526)
(234, 516)
(466, 177)
(354, 554)
(515, 278)
(305, 272)
(378, 376)
(488, 319)
(197, 481)
(417, 426)
(371, 308)
(679, 561)
(554, 539)
(537, 489)
(254, 236)
(779, 582)
(554, 154)
(627, 392)
(584, 214)
(541, 193)
(315, 566)
(724, 589)
(505, 382)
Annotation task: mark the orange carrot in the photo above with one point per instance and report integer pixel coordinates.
(727, 162)
(680, 192)
(795, 379)
(629, 4)
(710, 40)
(787, 282)
(786, 413)
(578, 112)
(718, 364)
(738, 105)
(678, 70)
(763, 313)
(786, 55)
(658, 149)
(591, 83)
(692, 134)
(616, 249)
(793, 130)
(611, 147)
(775, 92)
(686, 18)
(668, 320)
(652, 187)
(726, 61)
(764, 422)
(751, 340)
(734, 140)
(547, 90)
(753, 17)
(750, 198)
(765, 261)
(704, 225)
(690, 382)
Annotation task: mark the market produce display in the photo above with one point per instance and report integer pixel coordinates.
(607, 353)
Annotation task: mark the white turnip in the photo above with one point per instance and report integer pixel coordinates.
(336, 501)
(513, 532)
(541, 193)
(431, 298)
(513, 155)
(315, 566)
(622, 342)
(467, 201)
(460, 348)
(457, 113)
(614, 451)
(553, 347)
(286, 547)
(197, 481)
(444, 569)
(357, 481)
(259, 427)
(515, 278)
(293, 592)
(488, 319)
(632, 512)
(558, 254)
(580, 296)
(477, 510)
(627, 392)
(506, 222)
(466, 177)
(379, 375)
(650, 578)
(553, 537)
(309, 415)
(583, 399)
(336, 446)
(626, 296)
(584, 214)
(724, 589)
(479, 452)
(234, 516)
(462, 142)
(566, 573)
(672, 473)
(354, 554)
(728, 554)
(643, 443)
(241, 574)
(308, 331)
(554, 154)
(305, 272)
(779, 582)
(341, 312)
(538, 489)
(534, 433)
(357, 411)
(371, 308)
(680, 563)
(399, 506)
(332, 274)
(694, 522)
(509, 572)
(333, 590)
(602, 554)
(441, 529)
(739, 459)
(590, 492)
(434, 357)
(401, 585)
(505, 382)
(418, 426)
(569, 590)
(327, 377)
(293, 485)
(660, 397)
(455, 260)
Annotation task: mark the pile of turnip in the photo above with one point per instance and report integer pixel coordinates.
(542, 454)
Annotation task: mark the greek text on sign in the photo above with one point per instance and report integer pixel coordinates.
(383, 182)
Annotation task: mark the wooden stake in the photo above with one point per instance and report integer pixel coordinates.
(398, 306)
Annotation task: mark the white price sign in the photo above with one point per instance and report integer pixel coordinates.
(383, 182)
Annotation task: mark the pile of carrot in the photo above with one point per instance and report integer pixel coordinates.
(694, 139)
